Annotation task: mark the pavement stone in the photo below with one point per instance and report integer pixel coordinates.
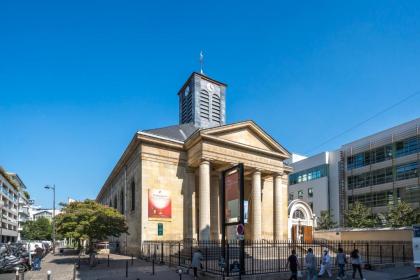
(62, 268)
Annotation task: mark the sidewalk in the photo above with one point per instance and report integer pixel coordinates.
(137, 269)
(61, 268)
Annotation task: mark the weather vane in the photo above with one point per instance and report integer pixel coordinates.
(201, 62)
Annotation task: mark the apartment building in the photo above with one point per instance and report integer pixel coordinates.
(9, 196)
(23, 202)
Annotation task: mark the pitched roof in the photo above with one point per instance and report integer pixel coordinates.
(176, 132)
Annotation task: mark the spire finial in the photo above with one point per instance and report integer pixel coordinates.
(201, 62)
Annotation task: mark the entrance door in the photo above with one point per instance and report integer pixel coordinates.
(307, 234)
(294, 233)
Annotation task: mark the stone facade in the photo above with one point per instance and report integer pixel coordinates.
(191, 170)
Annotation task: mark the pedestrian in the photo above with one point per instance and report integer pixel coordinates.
(356, 263)
(341, 261)
(310, 263)
(293, 264)
(37, 258)
(196, 262)
(325, 264)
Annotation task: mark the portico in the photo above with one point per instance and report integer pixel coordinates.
(215, 149)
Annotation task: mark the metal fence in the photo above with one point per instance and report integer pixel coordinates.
(269, 256)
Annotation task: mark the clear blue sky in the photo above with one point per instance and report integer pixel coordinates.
(78, 78)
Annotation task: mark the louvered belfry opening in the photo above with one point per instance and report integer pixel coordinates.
(187, 104)
(215, 110)
(204, 105)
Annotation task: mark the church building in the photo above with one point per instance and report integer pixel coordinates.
(167, 182)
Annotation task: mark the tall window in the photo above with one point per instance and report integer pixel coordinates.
(115, 202)
(122, 202)
(133, 195)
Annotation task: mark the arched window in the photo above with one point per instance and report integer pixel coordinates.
(204, 105)
(215, 109)
(133, 196)
(122, 202)
(298, 214)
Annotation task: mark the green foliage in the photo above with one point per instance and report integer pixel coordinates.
(402, 215)
(40, 229)
(326, 221)
(26, 194)
(359, 216)
(89, 220)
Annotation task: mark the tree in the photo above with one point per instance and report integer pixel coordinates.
(40, 229)
(359, 216)
(91, 221)
(401, 215)
(26, 194)
(326, 221)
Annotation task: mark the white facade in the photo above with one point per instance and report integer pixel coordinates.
(312, 181)
(9, 208)
(23, 202)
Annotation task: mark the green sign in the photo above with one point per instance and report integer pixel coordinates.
(160, 229)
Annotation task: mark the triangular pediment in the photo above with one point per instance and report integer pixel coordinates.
(248, 134)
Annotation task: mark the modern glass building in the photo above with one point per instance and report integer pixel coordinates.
(378, 170)
(382, 169)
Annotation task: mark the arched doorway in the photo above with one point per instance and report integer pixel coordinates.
(301, 221)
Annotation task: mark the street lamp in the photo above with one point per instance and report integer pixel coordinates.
(48, 187)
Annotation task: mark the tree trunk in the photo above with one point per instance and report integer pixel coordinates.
(92, 254)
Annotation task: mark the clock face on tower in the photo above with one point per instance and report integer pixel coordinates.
(210, 87)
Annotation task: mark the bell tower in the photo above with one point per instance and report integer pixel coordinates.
(202, 102)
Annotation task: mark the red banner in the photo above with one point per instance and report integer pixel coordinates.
(159, 204)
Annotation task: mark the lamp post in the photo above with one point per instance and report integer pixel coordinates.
(48, 187)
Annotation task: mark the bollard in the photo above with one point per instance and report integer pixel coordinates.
(126, 269)
(17, 273)
(179, 271)
(49, 275)
(153, 267)
(108, 260)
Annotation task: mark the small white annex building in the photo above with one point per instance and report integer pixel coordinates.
(301, 221)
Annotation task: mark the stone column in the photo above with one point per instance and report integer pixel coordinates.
(204, 201)
(214, 207)
(278, 208)
(256, 202)
(284, 210)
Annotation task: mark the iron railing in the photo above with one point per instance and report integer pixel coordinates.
(269, 256)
